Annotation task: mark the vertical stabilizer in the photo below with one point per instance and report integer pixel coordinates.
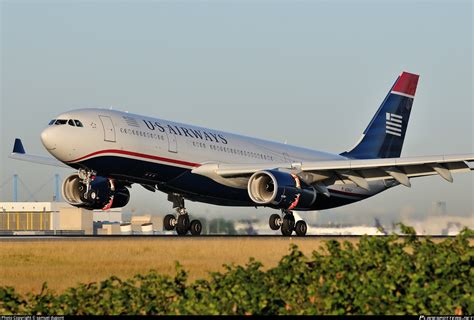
(384, 136)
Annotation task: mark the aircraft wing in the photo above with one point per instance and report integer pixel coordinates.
(358, 171)
(19, 153)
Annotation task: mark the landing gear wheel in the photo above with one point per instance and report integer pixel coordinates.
(195, 227)
(82, 192)
(182, 226)
(91, 195)
(288, 225)
(301, 228)
(275, 221)
(169, 222)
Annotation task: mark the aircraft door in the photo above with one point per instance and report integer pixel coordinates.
(108, 126)
(172, 143)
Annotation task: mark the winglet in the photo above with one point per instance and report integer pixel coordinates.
(18, 147)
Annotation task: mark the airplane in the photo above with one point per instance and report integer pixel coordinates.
(112, 150)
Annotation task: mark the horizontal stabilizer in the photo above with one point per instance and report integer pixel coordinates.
(19, 153)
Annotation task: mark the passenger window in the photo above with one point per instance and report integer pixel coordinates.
(78, 123)
(60, 122)
(51, 122)
(71, 123)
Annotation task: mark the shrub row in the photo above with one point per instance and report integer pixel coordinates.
(380, 275)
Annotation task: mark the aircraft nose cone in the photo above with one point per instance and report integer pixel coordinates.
(47, 140)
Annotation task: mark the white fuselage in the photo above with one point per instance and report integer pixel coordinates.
(110, 140)
(165, 138)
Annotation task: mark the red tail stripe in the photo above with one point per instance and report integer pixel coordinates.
(136, 154)
(406, 83)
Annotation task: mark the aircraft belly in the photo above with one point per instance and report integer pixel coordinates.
(207, 190)
(175, 179)
(169, 178)
(322, 202)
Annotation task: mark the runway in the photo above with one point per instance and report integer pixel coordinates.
(194, 238)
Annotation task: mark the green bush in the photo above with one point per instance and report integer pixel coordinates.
(380, 275)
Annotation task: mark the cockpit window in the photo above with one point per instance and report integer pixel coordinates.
(71, 122)
(60, 122)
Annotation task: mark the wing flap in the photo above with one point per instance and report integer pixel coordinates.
(378, 163)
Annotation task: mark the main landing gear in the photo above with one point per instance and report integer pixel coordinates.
(87, 193)
(287, 224)
(181, 222)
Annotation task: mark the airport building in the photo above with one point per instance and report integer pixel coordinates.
(60, 218)
(53, 218)
(44, 218)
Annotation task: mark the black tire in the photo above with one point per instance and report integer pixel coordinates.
(82, 191)
(167, 222)
(90, 196)
(182, 226)
(274, 221)
(83, 197)
(301, 228)
(288, 225)
(195, 227)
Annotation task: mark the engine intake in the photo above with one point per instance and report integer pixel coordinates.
(281, 190)
(106, 194)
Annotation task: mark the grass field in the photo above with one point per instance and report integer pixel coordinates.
(25, 265)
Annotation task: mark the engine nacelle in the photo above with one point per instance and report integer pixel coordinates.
(106, 194)
(281, 190)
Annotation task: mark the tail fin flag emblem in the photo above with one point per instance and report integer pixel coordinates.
(393, 124)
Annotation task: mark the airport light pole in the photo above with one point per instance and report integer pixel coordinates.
(15, 187)
(57, 195)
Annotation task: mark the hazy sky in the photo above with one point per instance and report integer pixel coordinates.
(311, 73)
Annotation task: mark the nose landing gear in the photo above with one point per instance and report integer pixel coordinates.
(181, 223)
(287, 224)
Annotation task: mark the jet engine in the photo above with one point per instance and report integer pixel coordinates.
(280, 190)
(103, 194)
